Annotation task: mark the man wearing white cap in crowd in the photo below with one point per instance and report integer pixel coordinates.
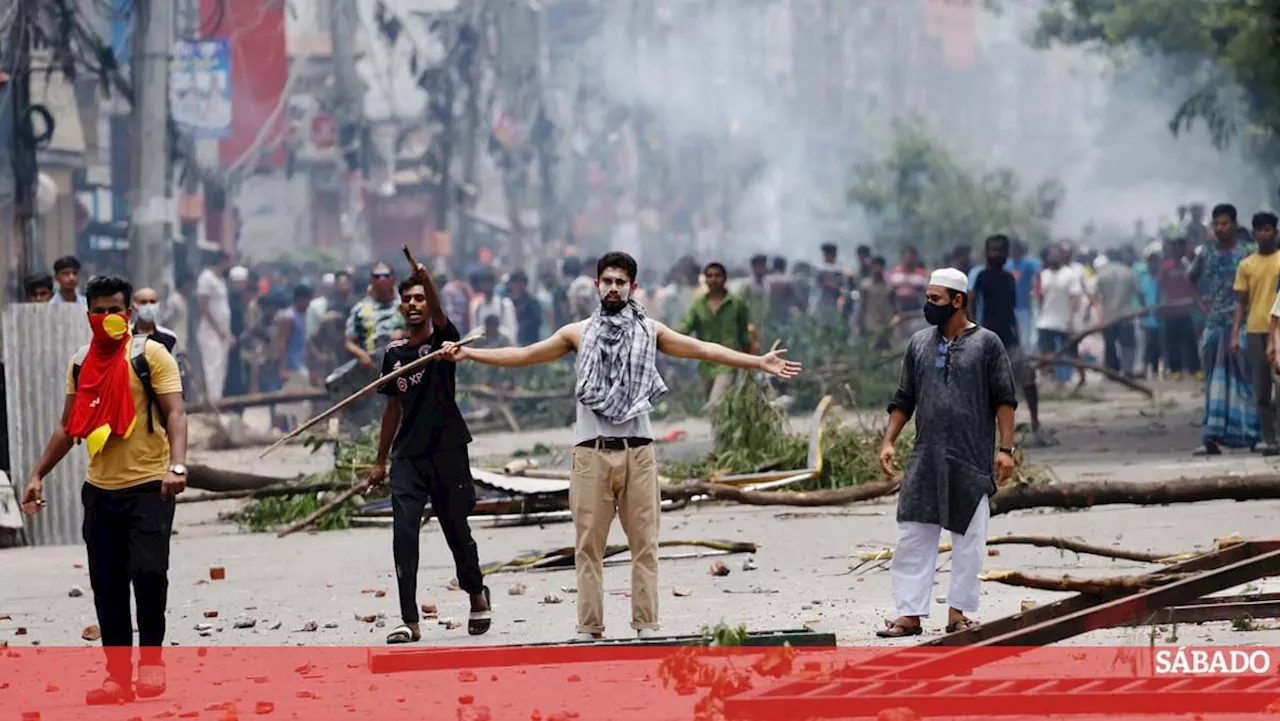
(213, 329)
(958, 383)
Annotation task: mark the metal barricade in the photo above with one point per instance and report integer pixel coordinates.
(40, 341)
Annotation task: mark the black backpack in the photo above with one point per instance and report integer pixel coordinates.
(137, 359)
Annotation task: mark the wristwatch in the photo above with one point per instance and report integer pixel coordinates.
(1010, 450)
(178, 469)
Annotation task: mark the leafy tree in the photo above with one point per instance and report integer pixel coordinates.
(920, 194)
(1220, 53)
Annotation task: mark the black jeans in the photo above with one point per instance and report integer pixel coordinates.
(444, 479)
(1181, 346)
(127, 535)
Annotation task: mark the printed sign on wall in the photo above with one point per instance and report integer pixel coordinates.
(200, 87)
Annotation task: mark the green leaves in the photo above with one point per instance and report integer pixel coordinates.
(922, 195)
(1221, 51)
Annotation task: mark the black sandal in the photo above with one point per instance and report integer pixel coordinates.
(480, 621)
(403, 634)
(897, 629)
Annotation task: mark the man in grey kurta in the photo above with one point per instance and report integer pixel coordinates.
(958, 384)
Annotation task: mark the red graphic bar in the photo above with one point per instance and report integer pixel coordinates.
(584, 681)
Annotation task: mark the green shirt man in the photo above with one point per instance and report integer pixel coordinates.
(718, 317)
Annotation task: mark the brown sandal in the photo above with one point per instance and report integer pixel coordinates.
(898, 629)
(964, 624)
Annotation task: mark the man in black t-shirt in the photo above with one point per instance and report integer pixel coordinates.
(994, 295)
(426, 438)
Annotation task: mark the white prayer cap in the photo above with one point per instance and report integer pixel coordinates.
(950, 278)
(239, 273)
(328, 279)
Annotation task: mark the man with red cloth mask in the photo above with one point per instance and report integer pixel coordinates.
(137, 447)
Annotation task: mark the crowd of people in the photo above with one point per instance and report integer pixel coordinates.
(241, 330)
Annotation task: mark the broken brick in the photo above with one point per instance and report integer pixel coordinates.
(21, 631)
(429, 610)
(466, 700)
(91, 633)
(719, 569)
(217, 573)
(210, 614)
(263, 707)
(467, 677)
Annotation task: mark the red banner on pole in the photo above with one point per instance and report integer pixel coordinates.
(255, 33)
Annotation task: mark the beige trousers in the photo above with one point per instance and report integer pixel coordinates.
(602, 484)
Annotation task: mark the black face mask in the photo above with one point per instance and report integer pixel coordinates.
(939, 314)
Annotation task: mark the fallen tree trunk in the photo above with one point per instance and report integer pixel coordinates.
(833, 497)
(512, 394)
(219, 480)
(1090, 586)
(1127, 316)
(269, 398)
(563, 557)
(266, 492)
(1084, 494)
(1087, 494)
(1075, 546)
(1044, 360)
(326, 509)
(1043, 541)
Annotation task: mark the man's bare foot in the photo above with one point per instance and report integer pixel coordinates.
(957, 621)
(904, 626)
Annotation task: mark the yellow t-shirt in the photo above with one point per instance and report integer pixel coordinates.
(1257, 275)
(143, 456)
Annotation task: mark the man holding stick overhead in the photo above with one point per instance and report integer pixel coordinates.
(614, 469)
(426, 438)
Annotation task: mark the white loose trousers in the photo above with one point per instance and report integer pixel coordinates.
(915, 559)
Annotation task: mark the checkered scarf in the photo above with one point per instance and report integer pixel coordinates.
(617, 372)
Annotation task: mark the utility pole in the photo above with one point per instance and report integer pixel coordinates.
(348, 105)
(23, 148)
(150, 247)
(474, 17)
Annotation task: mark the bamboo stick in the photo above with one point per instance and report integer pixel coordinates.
(404, 370)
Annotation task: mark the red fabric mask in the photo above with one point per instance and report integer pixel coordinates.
(104, 402)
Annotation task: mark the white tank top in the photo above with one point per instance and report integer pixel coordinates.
(588, 426)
